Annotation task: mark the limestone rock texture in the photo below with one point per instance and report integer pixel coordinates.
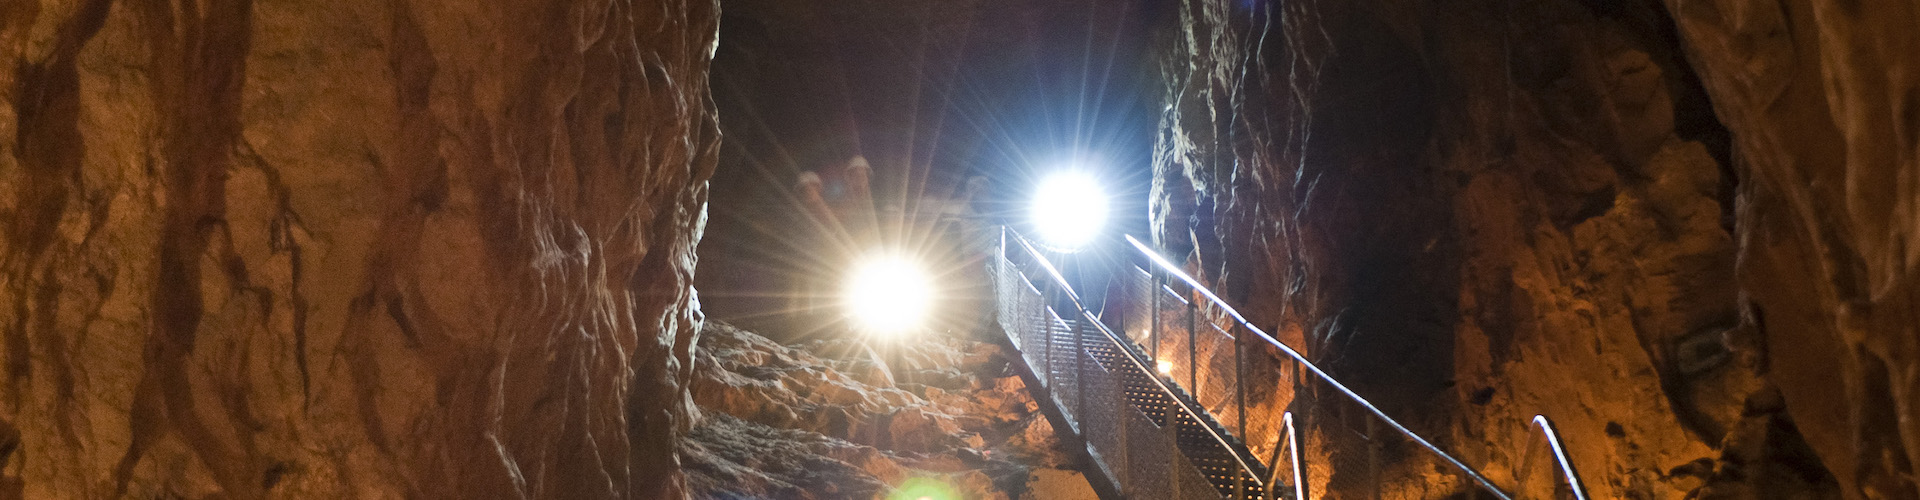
(1680, 230)
(1823, 100)
(350, 248)
(945, 416)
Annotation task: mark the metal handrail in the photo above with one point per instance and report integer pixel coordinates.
(1087, 318)
(1176, 272)
(1541, 421)
(1559, 455)
(1291, 437)
(1290, 431)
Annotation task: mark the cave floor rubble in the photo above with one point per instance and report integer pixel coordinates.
(945, 417)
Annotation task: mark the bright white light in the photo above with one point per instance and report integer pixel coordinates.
(1069, 209)
(888, 295)
(1165, 367)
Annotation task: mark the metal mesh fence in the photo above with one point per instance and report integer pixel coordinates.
(1067, 367)
(1100, 384)
(1105, 402)
(1247, 387)
(1176, 396)
(1147, 451)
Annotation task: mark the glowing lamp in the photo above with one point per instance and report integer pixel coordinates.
(1165, 367)
(1069, 209)
(887, 295)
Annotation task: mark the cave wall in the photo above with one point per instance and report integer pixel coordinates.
(1677, 229)
(353, 248)
(1823, 99)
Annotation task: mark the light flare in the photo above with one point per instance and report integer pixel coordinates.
(888, 295)
(1069, 209)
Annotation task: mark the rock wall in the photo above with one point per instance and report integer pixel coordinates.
(1679, 229)
(1823, 99)
(360, 248)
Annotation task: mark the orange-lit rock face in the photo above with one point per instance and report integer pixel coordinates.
(349, 248)
(1824, 103)
(1485, 210)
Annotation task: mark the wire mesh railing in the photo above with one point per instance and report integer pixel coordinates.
(1178, 396)
(1147, 435)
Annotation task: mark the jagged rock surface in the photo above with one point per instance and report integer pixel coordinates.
(1480, 211)
(823, 420)
(334, 249)
(1823, 99)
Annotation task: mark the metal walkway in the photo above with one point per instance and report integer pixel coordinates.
(1176, 396)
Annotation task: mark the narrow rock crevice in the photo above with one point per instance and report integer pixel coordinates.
(200, 62)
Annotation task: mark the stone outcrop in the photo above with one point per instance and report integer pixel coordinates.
(332, 249)
(1823, 99)
(1679, 230)
(826, 420)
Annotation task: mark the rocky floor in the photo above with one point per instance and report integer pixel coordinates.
(943, 417)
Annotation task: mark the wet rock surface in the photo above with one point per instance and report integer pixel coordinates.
(824, 420)
(337, 249)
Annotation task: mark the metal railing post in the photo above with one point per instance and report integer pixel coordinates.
(1559, 454)
(1039, 285)
(1193, 374)
(1240, 384)
(1295, 425)
(1003, 243)
(1080, 368)
(1193, 351)
(1289, 438)
(1240, 405)
(1156, 286)
(1047, 313)
(1174, 271)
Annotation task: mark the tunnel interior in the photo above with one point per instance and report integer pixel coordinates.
(790, 249)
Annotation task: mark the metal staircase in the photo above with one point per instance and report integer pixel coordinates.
(1219, 457)
(1118, 382)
